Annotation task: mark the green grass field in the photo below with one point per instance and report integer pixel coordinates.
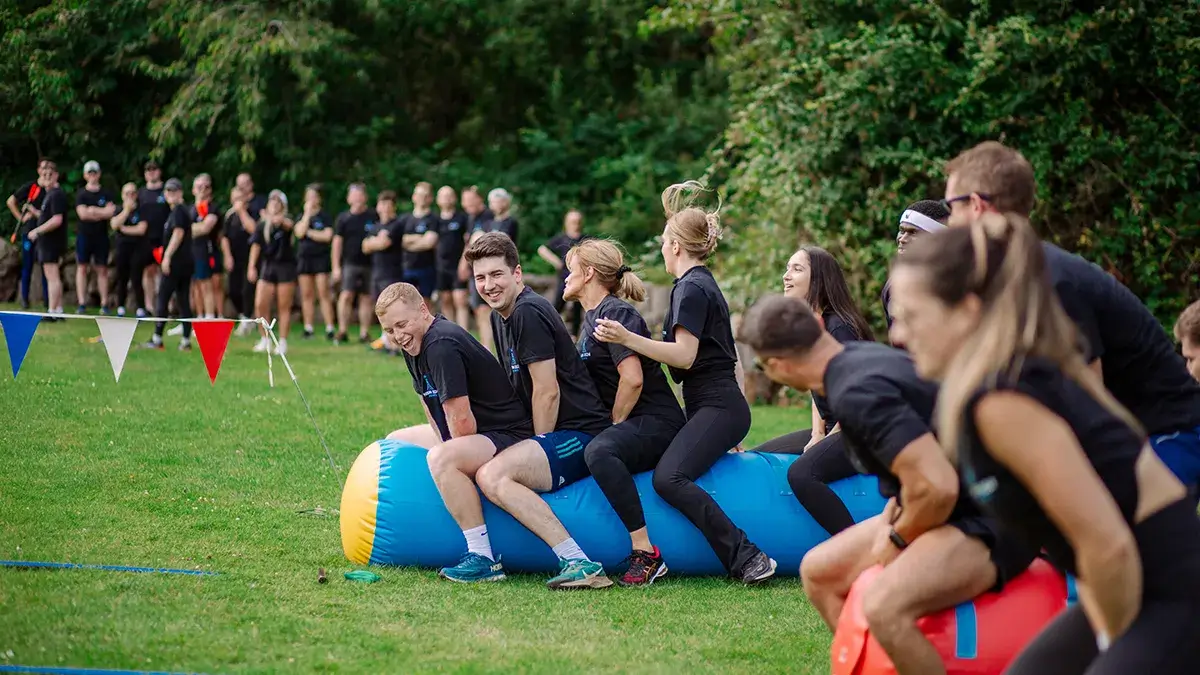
(165, 470)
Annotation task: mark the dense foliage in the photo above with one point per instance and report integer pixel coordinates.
(842, 112)
(565, 103)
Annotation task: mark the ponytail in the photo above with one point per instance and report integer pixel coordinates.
(697, 231)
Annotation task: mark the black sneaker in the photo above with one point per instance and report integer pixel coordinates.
(308, 334)
(153, 345)
(644, 568)
(329, 335)
(757, 570)
(341, 339)
(24, 304)
(364, 339)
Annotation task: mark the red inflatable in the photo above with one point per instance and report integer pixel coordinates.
(976, 638)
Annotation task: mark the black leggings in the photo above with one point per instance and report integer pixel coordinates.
(787, 444)
(241, 291)
(143, 257)
(810, 475)
(710, 432)
(179, 283)
(633, 446)
(126, 260)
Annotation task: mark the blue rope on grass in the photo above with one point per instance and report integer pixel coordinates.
(106, 568)
(54, 670)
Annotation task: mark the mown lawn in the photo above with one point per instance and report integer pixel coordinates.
(165, 470)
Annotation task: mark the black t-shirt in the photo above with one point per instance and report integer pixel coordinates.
(698, 306)
(507, 225)
(1140, 365)
(315, 250)
(843, 333)
(451, 364)
(85, 197)
(559, 244)
(481, 221)
(132, 220)
(419, 260)
(452, 233)
(388, 264)
(601, 359)
(154, 209)
(29, 192)
(256, 206)
(1111, 447)
(277, 246)
(239, 238)
(180, 219)
(883, 406)
(534, 332)
(353, 228)
(54, 202)
(206, 246)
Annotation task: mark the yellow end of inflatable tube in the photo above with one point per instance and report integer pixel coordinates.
(360, 501)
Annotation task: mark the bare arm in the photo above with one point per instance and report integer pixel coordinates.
(420, 242)
(48, 226)
(337, 255)
(1042, 452)
(1097, 368)
(550, 257)
(928, 487)
(545, 396)
(378, 242)
(629, 388)
(323, 236)
(248, 221)
(286, 224)
(205, 226)
(174, 244)
(302, 226)
(459, 418)
(84, 212)
(252, 266)
(678, 354)
(12, 207)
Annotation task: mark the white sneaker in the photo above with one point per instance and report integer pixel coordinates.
(262, 346)
(243, 329)
(281, 348)
(177, 330)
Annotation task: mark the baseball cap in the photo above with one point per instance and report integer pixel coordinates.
(278, 194)
(173, 185)
(91, 166)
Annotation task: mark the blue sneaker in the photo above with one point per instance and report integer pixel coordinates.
(473, 568)
(579, 574)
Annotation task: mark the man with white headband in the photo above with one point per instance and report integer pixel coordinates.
(920, 217)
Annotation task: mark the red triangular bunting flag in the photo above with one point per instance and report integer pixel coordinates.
(213, 338)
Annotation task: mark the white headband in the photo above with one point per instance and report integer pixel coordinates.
(922, 221)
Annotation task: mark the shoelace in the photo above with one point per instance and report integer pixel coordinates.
(637, 566)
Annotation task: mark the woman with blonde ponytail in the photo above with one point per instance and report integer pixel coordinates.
(1045, 449)
(645, 413)
(698, 348)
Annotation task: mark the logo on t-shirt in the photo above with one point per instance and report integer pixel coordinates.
(584, 352)
(512, 360)
(102, 201)
(421, 228)
(162, 199)
(318, 224)
(453, 226)
(135, 219)
(370, 226)
(430, 390)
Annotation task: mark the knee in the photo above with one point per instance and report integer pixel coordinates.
(439, 459)
(885, 612)
(667, 482)
(598, 454)
(489, 478)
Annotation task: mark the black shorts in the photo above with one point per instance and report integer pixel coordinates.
(274, 272)
(91, 249)
(447, 280)
(425, 279)
(49, 249)
(204, 267)
(306, 266)
(378, 284)
(356, 278)
(503, 439)
(1010, 555)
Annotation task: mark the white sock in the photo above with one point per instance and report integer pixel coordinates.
(308, 328)
(569, 550)
(328, 328)
(478, 542)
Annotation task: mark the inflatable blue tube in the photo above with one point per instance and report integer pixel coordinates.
(392, 514)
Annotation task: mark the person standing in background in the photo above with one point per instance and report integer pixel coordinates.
(479, 220)
(387, 255)
(50, 238)
(95, 208)
(420, 243)
(23, 205)
(314, 233)
(238, 228)
(271, 253)
(153, 209)
(555, 253)
(256, 205)
(176, 261)
(500, 203)
(205, 219)
(453, 231)
(130, 232)
(352, 267)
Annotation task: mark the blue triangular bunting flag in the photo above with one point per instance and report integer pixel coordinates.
(18, 333)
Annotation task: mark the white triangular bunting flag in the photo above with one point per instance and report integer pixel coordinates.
(118, 335)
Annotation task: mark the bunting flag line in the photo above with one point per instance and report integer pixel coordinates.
(213, 339)
(18, 333)
(118, 336)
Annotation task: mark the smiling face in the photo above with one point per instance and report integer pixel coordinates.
(497, 283)
(406, 324)
(47, 173)
(931, 331)
(356, 198)
(201, 188)
(797, 277)
(421, 196)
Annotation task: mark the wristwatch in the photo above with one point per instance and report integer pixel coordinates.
(897, 540)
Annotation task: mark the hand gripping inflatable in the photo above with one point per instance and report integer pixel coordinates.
(392, 514)
(980, 637)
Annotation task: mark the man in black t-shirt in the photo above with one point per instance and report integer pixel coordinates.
(95, 207)
(1122, 340)
(554, 252)
(22, 203)
(453, 232)
(553, 383)
(885, 411)
(351, 266)
(49, 237)
(479, 220)
(153, 210)
(420, 243)
(387, 255)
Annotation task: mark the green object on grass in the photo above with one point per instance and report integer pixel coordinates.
(363, 576)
